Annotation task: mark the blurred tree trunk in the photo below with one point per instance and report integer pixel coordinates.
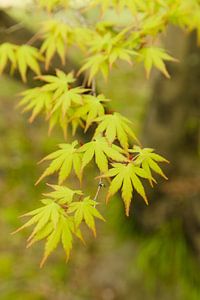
(172, 128)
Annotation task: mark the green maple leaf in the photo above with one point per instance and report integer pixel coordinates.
(62, 233)
(62, 194)
(121, 53)
(28, 56)
(63, 95)
(7, 54)
(69, 97)
(54, 98)
(115, 126)
(148, 160)
(85, 210)
(37, 101)
(40, 217)
(153, 56)
(101, 150)
(57, 35)
(126, 177)
(62, 162)
(52, 222)
(104, 50)
(57, 84)
(91, 109)
(94, 64)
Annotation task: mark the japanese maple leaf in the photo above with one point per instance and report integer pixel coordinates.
(102, 151)
(91, 109)
(62, 162)
(85, 210)
(115, 126)
(126, 178)
(148, 159)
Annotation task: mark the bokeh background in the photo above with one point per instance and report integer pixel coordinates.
(154, 254)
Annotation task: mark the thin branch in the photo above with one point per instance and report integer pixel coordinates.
(93, 87)
(14, 28)
(34, 38)
(100, 185)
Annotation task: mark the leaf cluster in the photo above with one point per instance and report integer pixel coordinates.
(21, 58)
(60, 218)
(113, 146)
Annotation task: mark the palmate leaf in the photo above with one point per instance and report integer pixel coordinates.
(91, 109)
(37, 101)
(7, 54)
(121, 53)
(28, 56)
(63, 95)
(153, 56)
(126, 177)
(104, 51)
(57, 118)
(94, 64)
(52, 222)
(49, 212)
(62, 194)
(56, 37)
(68, 98)
(64, 234)
(63, 160)
(46, 98)
(149, 160)
(85, 210)
(102, 151)
(64, 100)
(115, 126)
(57, 84)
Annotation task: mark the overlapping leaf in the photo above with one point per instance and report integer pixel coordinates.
(153, 56)
(149, 160)
(28, 56)
(7, 54)
(21, 57)
(62, 233)
(56, 38)
(63, 95)
(52, 222)
(126, 177)
(85, 210)
(37, 101)
(104, 51)
(63, 160)
(101, 151)
(69, 97)
(91, 109)
(62, 194)
(57, 84)
(115, 126)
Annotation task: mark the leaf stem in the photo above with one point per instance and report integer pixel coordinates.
(100, 185)
(94, 87)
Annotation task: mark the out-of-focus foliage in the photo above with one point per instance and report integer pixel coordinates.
(166, 258)
(20, 57)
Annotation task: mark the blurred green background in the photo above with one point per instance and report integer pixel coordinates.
(153, 254)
